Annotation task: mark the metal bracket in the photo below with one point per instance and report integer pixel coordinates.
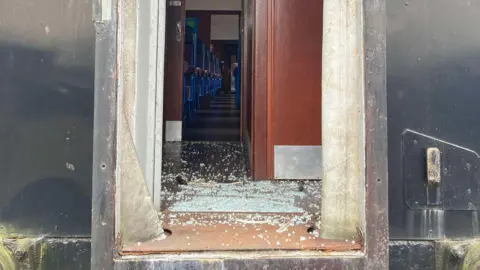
(438, 174)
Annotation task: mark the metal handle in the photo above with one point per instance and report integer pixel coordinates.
(433, 166)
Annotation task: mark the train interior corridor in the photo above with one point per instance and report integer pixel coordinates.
(208, 145)
(211, 102)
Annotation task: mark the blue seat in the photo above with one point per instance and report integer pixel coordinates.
(189, 75)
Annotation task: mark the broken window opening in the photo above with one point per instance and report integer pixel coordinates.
(233, 212)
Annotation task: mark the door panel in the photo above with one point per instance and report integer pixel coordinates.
(260, 157)
(286, 89)
(297, 72)
(174, 42)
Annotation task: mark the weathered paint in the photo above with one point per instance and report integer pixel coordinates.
(412, 255)
(71, 253)
(343, 119)
(104, 155)
(138, 218)
(435, 255)
(44, 253)
(46, 113)
(433, 166)
(67, 253)
(432, 84)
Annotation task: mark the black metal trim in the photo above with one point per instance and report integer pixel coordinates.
(104, 145)
(376, 173)
(296, 263)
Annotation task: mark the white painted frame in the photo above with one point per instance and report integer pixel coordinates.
(148, 74)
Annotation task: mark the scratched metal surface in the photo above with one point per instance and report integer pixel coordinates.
(433, 73)
(46, 116)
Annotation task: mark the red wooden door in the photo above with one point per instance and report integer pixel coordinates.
(174, 47)
(287, 67)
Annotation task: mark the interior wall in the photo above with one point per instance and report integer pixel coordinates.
(204, 23)
(215, 22)
(224, 27)
(232, 5)
(225, 50)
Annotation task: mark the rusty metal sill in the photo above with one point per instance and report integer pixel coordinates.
(197, 232)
